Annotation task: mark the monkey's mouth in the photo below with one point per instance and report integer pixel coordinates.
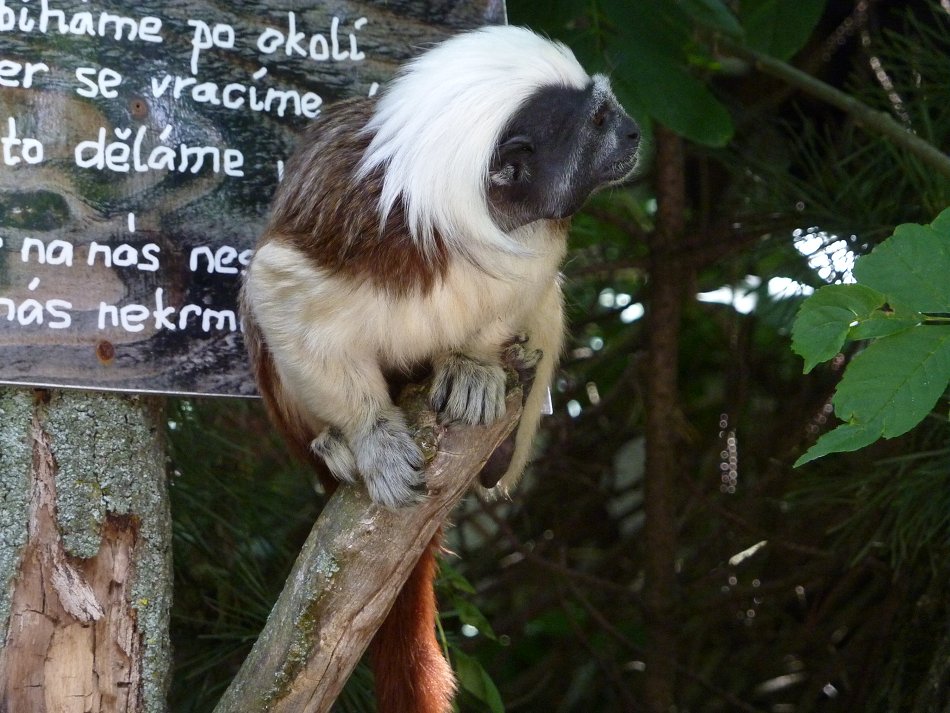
(620, 171)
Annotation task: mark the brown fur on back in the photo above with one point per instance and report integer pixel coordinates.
(334, 219)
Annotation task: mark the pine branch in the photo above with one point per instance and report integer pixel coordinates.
(871, 119)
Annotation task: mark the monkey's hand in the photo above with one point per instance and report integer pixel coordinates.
(383, 453)
(467, 390)
(389, 460)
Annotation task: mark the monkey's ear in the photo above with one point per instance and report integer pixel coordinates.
(510, 163)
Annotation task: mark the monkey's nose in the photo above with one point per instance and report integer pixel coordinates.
(631, 130)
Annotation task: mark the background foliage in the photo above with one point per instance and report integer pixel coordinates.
(822, 588)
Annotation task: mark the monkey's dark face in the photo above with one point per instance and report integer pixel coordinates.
(559, 148)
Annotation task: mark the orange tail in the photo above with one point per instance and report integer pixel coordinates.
(411, 674)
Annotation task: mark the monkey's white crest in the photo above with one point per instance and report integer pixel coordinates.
(466, 88)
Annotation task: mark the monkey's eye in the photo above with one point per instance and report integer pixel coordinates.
(515, 145)
(600, 116)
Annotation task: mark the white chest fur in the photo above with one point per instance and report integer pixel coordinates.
(304, 310)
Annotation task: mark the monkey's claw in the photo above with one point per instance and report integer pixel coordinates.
(467, 390)
(391, 463)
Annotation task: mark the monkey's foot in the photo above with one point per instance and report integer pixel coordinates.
(524, 361)
(467, 390)
(331, 447)
(522, 356)
(390, 463)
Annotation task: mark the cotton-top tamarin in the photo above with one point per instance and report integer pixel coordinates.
(426, 230)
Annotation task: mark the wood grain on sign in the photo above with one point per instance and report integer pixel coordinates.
(140, 144)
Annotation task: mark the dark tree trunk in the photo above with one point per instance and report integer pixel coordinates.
(668, 276)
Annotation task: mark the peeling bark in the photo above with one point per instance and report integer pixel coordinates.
(86, 624)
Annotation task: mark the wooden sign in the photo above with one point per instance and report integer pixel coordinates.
(140, 144)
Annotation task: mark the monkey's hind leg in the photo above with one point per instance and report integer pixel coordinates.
(368, 435)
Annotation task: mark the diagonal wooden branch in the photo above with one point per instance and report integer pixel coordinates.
(350, 570)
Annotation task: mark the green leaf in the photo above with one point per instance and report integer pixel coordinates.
(888, 389)
(712, 14)
(912, 267)
(825, 318)
(469, 614)
(846, 437)
(449, 576)
(941, 223)
(882, 324)
(654, 37)
(896, 381)
(779, 27)
(668, 93)
(474, 679)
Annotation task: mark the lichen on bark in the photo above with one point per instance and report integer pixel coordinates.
(107, 454)
(16, 407)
